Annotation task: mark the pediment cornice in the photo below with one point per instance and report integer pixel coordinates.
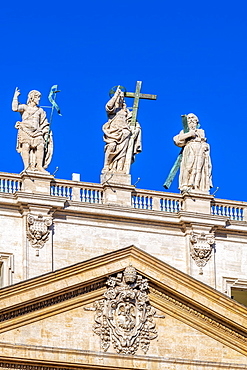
(171, 291)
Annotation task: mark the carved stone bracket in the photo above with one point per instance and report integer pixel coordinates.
(201, 248)
(125, 317)
(38, 230)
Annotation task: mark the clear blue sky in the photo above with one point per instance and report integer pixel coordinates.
(192, 54)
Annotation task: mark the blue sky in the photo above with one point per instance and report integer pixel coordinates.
(191, 54)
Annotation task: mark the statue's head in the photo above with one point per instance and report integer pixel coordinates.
(192, 120)
(121, 101)
(34, 96)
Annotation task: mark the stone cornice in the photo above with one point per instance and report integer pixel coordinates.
(88, 360)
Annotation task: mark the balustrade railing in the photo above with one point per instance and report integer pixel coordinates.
(234, 210)
(91, 195)
(61, 191)
(78, 191)
(141, 199)
(154, 200)
(10, 183)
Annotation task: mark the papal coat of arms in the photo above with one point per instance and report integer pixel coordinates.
(125, 317)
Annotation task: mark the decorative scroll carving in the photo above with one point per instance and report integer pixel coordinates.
(38, 230)
(201, 248)
(125, 317)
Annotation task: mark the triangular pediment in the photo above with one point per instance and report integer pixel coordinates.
(43, 303)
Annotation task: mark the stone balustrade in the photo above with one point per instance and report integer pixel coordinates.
(234, 210)
(10, 182)
(77, 191)
(140, 199)
(156, 200)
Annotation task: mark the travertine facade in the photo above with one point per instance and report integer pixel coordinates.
(189, 248)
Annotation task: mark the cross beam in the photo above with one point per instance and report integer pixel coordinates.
(137, 96)
(178, 161)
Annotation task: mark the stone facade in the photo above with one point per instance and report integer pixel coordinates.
(191, 248)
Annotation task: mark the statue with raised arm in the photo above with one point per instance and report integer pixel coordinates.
(33, 133)
(123, 140)
(196, 168)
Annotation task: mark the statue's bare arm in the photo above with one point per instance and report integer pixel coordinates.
(111, 103)
(16, 107)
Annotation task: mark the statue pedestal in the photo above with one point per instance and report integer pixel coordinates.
(117, 188)
(198, 202)
(36, 182)
(115, 178)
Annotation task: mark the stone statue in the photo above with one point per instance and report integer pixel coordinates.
(32, 133)
(123, 141)
(196, 168)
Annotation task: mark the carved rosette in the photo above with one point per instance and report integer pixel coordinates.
(125, 317)
(201, 248)
(38, 230)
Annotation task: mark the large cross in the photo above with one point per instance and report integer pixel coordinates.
(177, 163)
(137, 96)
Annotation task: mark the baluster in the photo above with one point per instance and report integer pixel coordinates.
(221, 211)
(151, 203)
(161, 204)
(237, 213)
(70, 192)
(241, 214)
(172, 205)
(5, 186)
(82, 195)
(86, 195)
(165, 205)
(1, 185)
(10, 186)
(93, 196)
(133, 201)
(168, 205)
(232, 211)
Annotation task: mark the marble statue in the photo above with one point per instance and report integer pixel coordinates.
(196, 168)
(123, 141)
(32, 133)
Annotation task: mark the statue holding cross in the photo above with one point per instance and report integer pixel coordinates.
(122, 132)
